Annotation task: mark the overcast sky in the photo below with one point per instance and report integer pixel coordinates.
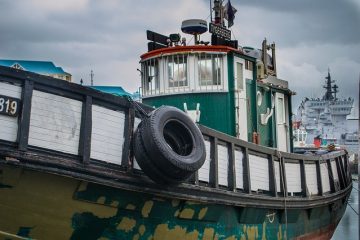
(109, 36)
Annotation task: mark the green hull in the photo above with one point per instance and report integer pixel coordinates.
(37, 205)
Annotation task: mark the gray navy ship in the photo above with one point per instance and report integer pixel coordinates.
(329, 119)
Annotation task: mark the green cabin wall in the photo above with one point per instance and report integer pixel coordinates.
(265, 131)
(214, 108)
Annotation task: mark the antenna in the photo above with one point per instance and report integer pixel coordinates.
(92, 77)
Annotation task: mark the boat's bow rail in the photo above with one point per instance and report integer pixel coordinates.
(68, 129)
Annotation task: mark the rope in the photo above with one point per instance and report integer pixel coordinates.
(352, 208)
(138, 107)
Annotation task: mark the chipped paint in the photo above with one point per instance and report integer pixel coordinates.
(187, 213)
(208, 234)
(101, 200)
(142, 229)
(202, 213)
(147, 208)
(136, 237)
(252, 232)
(175, 202)
(126, 224)
(114, 204)
(130, 207)
(279, 234)
(162, 231)
(264, 231)
(83, 186)
(176, 214)
(231, 238)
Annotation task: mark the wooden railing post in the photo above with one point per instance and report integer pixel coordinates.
(331, 177)
(214, 178)
(246, 171)
(24, 120)
(85, 130)
(303, 179)
(340, 173)
(231, 169)
(272, 178)
(318, 175)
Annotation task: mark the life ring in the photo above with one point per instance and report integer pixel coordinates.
(168, 146)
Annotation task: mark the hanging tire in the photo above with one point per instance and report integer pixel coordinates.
(172, 146)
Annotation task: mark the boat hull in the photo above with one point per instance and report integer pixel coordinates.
(39, 205)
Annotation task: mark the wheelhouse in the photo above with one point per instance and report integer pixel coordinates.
(231, 89)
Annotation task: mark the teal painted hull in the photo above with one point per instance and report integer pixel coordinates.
(39, 205)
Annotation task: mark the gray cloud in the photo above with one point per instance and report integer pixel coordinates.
(109, 36)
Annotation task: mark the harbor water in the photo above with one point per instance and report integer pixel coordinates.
(348, 228)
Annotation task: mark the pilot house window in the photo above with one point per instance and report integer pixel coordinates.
(209, 69)
(151, 76)
(177, 70)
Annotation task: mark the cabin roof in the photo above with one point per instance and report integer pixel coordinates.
(40, 67)
(115, 90)
(193, 48)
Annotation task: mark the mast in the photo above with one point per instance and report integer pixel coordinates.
(328, 86)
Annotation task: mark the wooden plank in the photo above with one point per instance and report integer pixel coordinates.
(24, 124)
(223, 165)
(259, 170)
(58, 127)
(293, 177)
(85, 130)
(239, 173)
(325, 179)
(107, 136)
(311, 178)
(204, 171)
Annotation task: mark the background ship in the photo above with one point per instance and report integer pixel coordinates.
(329, 118)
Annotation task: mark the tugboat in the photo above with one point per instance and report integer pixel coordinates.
(78, 163)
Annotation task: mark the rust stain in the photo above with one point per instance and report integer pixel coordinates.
(130, 207)
(208, 234)
(147, 208)
(187, 213)
(126, 224)
(202, 213)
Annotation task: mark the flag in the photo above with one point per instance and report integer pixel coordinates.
(229, 13)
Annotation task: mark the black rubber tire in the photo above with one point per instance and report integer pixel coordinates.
(144, 160)
(174, 143)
